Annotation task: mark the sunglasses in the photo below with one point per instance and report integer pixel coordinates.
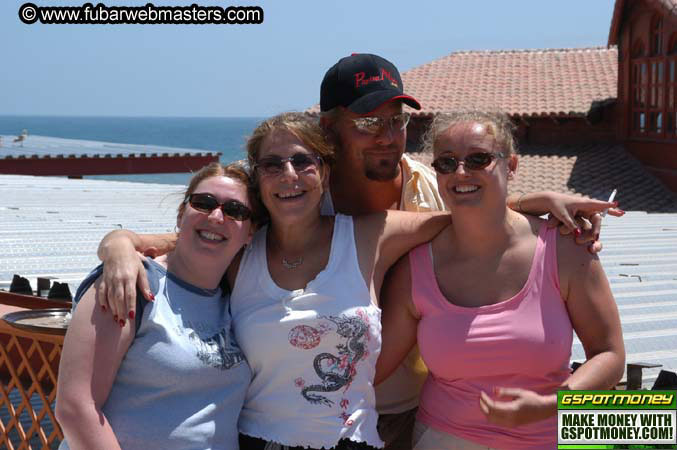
(474, 161)
(206, 203)
(377, 125)
(273, 165)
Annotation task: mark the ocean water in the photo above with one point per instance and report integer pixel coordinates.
(225, 135)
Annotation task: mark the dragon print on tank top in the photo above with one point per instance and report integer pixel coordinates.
(312, 351)
(334, 371)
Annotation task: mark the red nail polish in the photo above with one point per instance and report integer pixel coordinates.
(577, 232)
(103, 308)
(122, 323)
(131, 315)
(151, 297)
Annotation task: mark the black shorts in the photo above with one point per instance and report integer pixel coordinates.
(252, 443)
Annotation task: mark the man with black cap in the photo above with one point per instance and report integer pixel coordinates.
(361, 110)
(361, 103)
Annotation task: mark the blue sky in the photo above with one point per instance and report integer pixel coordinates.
(259, 70)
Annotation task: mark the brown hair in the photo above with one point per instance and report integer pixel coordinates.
(301, 125)
(235, 171)
(498, 125)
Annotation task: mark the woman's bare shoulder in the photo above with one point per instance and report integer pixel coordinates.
(533, 223)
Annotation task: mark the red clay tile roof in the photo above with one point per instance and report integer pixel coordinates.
(528, 83)
(592, 170)
(560, 83)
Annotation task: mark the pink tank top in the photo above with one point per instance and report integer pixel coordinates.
(524, 342)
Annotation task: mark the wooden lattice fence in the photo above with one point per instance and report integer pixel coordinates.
(29, 366)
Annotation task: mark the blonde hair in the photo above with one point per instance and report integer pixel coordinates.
(498, 125)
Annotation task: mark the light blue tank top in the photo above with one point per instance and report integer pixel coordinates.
(183, 380)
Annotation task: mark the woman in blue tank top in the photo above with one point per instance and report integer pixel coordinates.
(175, 379)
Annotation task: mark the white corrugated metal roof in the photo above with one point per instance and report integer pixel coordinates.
(640, 259)
(51, 226)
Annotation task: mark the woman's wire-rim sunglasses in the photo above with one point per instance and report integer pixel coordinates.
(474, 161)
(273, 164)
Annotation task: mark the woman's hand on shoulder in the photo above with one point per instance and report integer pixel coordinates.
(573, 214)
(93, 348)
(123, 271)
(512, 407)
(580, 216)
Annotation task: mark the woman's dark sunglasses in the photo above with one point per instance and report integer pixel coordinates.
(273, 165)
(206, 203)
(474, 161)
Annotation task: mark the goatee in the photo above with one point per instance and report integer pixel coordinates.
(384, 170)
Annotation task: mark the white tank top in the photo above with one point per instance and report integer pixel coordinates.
(312, 351)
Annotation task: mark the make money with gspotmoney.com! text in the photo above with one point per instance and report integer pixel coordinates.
(88, 13)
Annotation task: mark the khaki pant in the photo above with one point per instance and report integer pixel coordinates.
(426, 438)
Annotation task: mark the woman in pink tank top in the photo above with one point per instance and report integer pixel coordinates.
(493, 301)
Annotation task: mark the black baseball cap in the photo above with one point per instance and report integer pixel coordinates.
(362, 82)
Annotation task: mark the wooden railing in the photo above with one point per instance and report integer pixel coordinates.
(29, 366)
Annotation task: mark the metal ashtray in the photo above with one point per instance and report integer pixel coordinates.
(48, 321)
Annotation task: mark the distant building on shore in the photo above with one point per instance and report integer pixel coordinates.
(43, 155)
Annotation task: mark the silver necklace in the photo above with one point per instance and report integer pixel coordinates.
(287, 263)
(293, 264)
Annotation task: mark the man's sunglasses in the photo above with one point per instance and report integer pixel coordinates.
(376, 125)
(273, 165)
(474, 161)
(206, 203)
